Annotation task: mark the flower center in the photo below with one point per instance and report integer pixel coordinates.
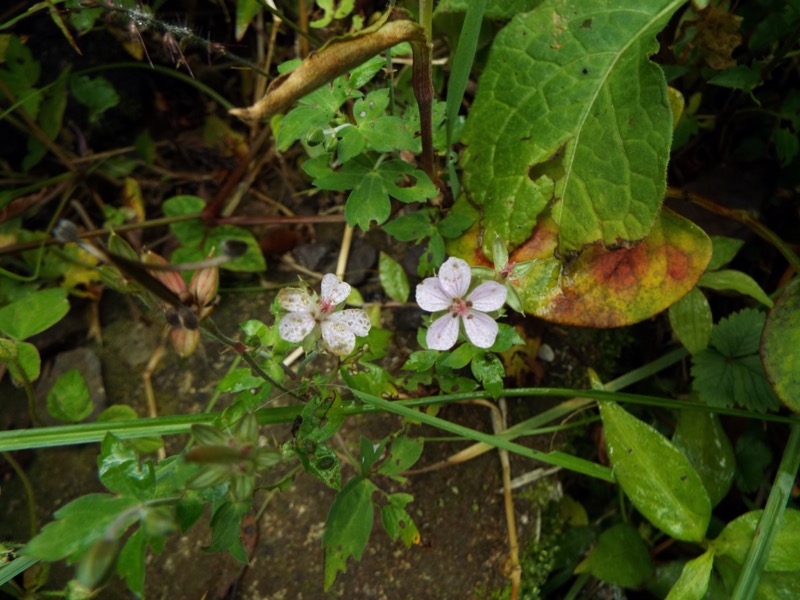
(324, 308)
(460, 307)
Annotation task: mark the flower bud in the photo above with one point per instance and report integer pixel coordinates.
(171, 279)
(203, 286)
(184, 340)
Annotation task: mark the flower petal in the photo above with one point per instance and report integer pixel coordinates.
(333, 290)
(295, 326)
(488, 296)
(337, 337)
(442, 335)
(454, 276)
(481, 329)
(355, 319)
(431, 296)
(295, 300)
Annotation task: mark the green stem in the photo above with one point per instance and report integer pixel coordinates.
(557, 458)
(770, 522)
(86, 433)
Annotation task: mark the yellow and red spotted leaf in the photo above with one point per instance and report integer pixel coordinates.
(603, 287)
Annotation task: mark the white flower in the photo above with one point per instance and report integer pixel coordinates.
(339, 329)
(446, 292)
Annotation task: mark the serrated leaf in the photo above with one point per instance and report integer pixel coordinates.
(736, 281)
(730, 373)
(735, 540)
(34, 313)
(605, 288)
(348, 526)
(393, 278)
(659, 481)
(703, 441)
(189, 233)
(779, 343)
(79, 524)
(422, 360)
(694, 579)
(571, 113)
(69, 399)
(691, 320)
(97, 94)
(252, 261)
(620, 557)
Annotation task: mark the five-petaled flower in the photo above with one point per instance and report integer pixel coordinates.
(306, 312)
(447, 292)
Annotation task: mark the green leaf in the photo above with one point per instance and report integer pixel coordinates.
(735, 539)
(69, 399)
(421, 360)
(97, 94)
(693, 582)
(393, 278)
(730, 373)
(691, 320)
(130, 565)
(396, 520)
(341, 10)
(404, 454)
(119, 469)
(20, 74)
(370, 378)
(488, 369)
(252, 261)
(724, 249)
(189, 233)
(753, 458)
(225, 526)
(620, 557)
(348, 526)
(779, 345)
(659, 481)
(26, 361)
(410, 227)
(460, 357)
(79, 524)
(246, 10)
(571, 113)
(34, 313)
(123, 412)
(702, 440)
(735, 281)
(739, 77)
(381, 132)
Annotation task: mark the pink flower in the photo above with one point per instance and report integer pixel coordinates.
(339, 329)
(447, 292)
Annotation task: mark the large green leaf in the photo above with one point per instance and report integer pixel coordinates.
(571, 113)
(694, 579)
(659, 481)
(779, 343)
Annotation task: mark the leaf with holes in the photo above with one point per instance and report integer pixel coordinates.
(571, 113)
